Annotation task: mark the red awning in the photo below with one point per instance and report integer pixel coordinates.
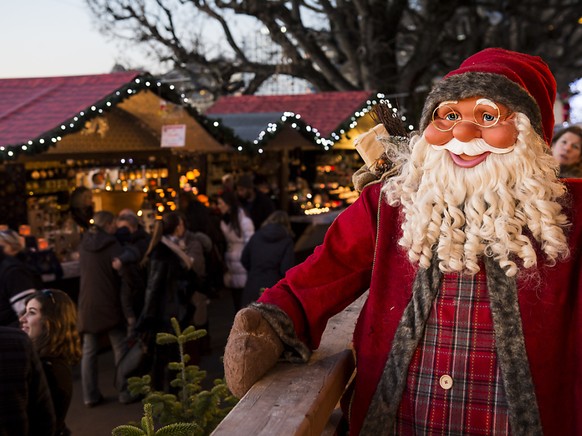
(31, 107)
(325, 111)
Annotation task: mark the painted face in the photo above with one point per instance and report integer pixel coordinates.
(31, 320)
(567, 150)
(471, 129)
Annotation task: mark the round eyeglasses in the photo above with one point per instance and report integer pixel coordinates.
(486, 114)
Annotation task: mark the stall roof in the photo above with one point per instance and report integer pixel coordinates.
(36, 113)
(249, 126)
(327, 114)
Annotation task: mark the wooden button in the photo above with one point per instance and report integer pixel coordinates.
(446, 382)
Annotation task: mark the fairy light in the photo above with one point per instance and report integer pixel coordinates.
(294, 121)
(78, 120)
(213, 126)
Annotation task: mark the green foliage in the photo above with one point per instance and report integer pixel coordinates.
(192, 411)
(147, 427)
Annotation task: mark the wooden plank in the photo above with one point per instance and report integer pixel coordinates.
(298, 399)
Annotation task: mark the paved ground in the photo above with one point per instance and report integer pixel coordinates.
(100, 420)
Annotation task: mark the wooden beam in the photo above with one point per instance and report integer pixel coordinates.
(298, 399)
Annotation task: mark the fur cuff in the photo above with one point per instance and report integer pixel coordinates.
(295, 350)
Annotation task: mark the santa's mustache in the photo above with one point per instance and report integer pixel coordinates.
(474, 147)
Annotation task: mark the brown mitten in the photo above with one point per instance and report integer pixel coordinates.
(252, 349)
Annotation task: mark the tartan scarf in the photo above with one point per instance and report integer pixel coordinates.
(512, 358)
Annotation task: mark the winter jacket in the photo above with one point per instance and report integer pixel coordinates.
(133, 275)
(236, 275)
(571, 171)
(26, 407)
(99, 306)
(17, 281)
(197, 245)
(358, 253)
(59, 376)
(165, 296)
(267, 256)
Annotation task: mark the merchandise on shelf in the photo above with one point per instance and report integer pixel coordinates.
(327, 185)
(49, 185)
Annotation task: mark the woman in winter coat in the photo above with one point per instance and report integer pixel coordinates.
(99, 300)
(268, 255)
(169, 288)
(197, 246)
(237, 229)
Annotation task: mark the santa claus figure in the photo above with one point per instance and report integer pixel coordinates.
(473, 319)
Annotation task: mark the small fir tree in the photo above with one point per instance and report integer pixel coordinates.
(200, 411)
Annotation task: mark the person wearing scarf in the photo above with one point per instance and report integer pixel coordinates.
(166, 293)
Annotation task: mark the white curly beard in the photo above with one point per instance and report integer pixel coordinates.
(462, 213)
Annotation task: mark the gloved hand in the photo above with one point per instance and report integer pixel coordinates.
(252, 349)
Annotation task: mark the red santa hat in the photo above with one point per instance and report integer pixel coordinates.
(522, 82)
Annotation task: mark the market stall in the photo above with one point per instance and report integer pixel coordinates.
(130, 139)
(302, 144)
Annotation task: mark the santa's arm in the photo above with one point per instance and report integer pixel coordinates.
(292, 315)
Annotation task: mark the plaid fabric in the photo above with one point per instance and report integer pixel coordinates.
(458, 342)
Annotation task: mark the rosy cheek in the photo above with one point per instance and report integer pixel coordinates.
(503, 136)
(436, 137)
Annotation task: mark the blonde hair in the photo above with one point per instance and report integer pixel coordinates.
(462, 213)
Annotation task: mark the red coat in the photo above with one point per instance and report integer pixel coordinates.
(341, 268)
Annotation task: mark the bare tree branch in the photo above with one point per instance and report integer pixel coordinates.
(394, 46)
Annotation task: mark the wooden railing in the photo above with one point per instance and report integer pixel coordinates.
(300, 399)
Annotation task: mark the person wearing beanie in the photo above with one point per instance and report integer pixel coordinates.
(470, 251)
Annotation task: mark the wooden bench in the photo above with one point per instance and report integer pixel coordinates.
(300, 399)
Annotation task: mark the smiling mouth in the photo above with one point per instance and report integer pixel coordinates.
(468, 161)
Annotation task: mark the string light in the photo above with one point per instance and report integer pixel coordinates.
(311, 133)
(77, 121)
(214, 127)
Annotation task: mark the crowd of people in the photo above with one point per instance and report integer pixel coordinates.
(131, 284)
